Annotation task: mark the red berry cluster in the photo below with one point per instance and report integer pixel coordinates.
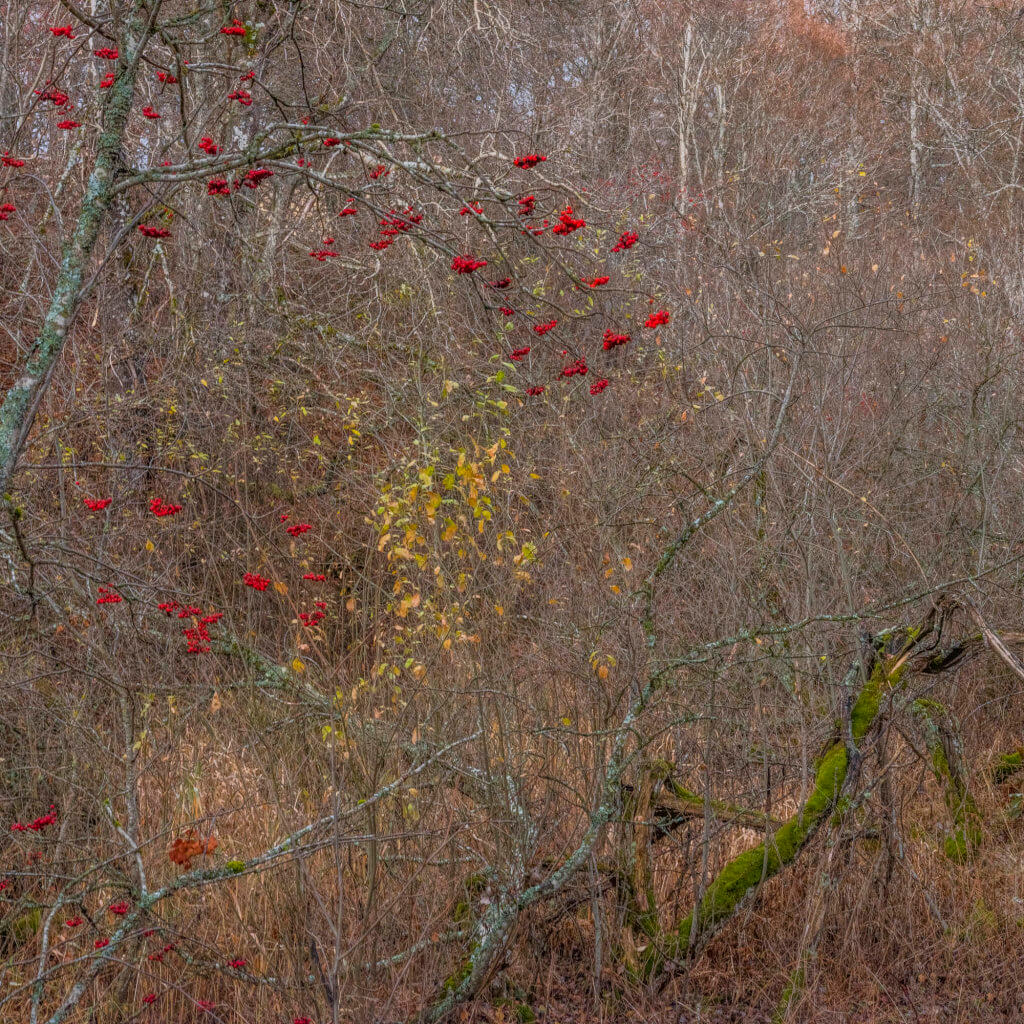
(657, 319)
(471, 208)
(50, 818)
(218, 187)
(207, 145)
(526, 205)
(506, 311)
(62, 30)
(380, 171)
(537, 389)
(6, 210)
(349, 211)
(237, 963)
(544, 328)
(151, 232)
(328, 143)
(9, 161)
(528, 161)
(502, 283)
(253, 177)
(74, 922)
(242, 95)
(184, 611)
(395, 224)
(577, 366)
(158, 508)
(236, 28)
(68, 124)
(166, 77)
(626, 241)
(467, 264)
(317, 577)
(598, 386)
(310, 619)
(97, 504)
(150, 113)
(54, 96)
(197, 637)
(297, 529)
(611, 339)
(256, 581)
(598, 281)
(120, 908)
(107, 80)
(567, 223)
(109, 596)
(519, 353)
(106, 52)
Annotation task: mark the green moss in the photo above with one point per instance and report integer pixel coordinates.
(961, 845)
(453, 981)
(235, 865)
(983, 922)
(522, 1012)
(1007, 765)
(16, 933)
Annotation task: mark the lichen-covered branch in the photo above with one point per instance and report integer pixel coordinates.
(19, 406)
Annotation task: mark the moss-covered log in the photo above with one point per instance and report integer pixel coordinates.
(745, 873)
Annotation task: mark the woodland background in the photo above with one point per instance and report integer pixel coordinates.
(692, 697)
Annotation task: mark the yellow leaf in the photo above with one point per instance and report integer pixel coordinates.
(602, 672)
(215, 703)
(627, 564)
(150, 546)
(298, 666)
(281, 588)
(350, 604)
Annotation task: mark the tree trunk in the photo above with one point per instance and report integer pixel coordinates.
(21, 402)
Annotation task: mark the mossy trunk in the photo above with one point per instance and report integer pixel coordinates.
(745, 873)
